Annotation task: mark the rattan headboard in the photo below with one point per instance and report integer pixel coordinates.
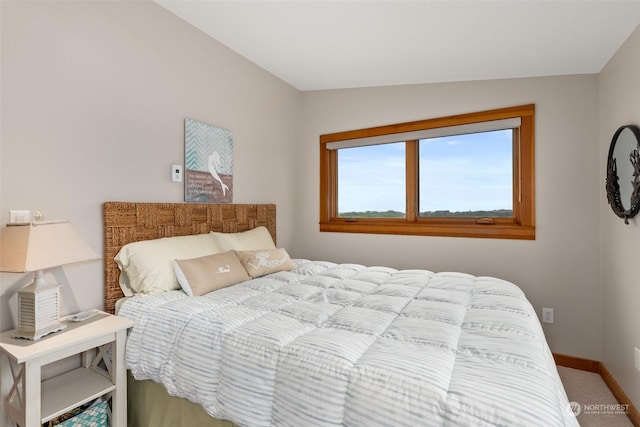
(131, 222)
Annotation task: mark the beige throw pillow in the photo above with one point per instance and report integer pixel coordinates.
(265, 261)
(202, 275)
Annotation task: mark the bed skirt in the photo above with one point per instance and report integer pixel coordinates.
(149, 404)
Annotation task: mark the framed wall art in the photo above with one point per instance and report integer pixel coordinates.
(208, 154)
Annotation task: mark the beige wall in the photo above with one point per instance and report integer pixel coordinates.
(94, 97)
(619, 85)
(559, 269)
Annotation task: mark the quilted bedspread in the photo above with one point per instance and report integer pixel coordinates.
(347, 345)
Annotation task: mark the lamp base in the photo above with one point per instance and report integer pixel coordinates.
(36, 335)
(38, 310)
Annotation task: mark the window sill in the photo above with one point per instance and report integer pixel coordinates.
(491, 231)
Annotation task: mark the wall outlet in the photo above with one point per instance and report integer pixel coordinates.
(547, 315)
(636, 358)
(19, 216)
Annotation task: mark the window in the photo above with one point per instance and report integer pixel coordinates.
(469, 175)
(371, 181)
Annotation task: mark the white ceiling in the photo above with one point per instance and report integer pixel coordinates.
(357, 43)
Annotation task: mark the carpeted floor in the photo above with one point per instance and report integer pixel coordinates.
(597, 406)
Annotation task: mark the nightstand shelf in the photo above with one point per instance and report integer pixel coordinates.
(67, 391)
(29, 401)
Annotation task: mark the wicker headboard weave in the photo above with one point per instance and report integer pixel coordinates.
(126, 222)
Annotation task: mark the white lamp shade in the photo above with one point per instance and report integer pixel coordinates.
(41, 245)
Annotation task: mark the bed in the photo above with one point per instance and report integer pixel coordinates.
(314, 343)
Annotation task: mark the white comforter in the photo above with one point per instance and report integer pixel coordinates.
(347, 345)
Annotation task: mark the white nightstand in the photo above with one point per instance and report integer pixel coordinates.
(29, 401)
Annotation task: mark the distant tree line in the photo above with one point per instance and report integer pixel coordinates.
(497, 213)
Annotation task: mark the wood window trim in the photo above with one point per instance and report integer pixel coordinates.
(522, 226)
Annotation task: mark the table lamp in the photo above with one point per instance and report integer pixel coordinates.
(36, 246)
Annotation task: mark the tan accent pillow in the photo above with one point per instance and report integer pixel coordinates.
(257, 238)
(265, 261)
(199, 276)
(147, 266)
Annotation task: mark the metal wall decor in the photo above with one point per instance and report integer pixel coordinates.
(623, 172)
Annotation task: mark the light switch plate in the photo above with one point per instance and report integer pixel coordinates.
(176, 173)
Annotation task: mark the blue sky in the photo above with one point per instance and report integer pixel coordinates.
(457, 173)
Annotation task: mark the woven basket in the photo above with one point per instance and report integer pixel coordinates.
(94, 416)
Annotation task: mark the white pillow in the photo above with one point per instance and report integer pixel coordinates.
(257, 238)
(147, 266)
